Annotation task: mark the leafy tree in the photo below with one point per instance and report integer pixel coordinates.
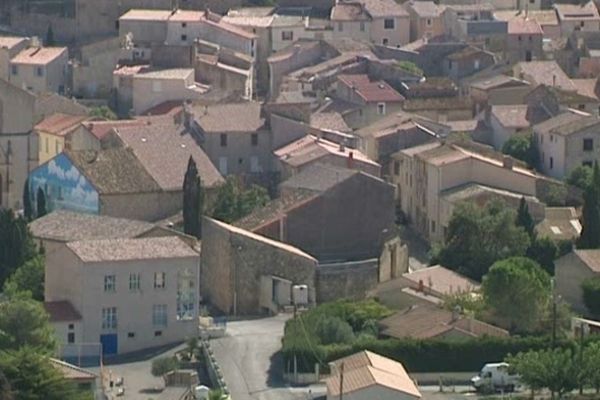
(24, 322)
(479, 236)
(524, 219)
(544, 251)
(591, 295)
(32, 376)
(331, 330)
(16, 243)
(50, 37)
(41, 203)
(517, 290)
(215, 394)
(193, 200)
(522, 147)
(27, 211)
(555, 370)
(5, 390)
(161, 366)
(234, 202)
(591, 362)
(581, 177)
(590, 216)
(29, 277)
(103, 112)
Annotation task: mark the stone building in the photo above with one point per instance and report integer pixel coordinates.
(571, 270)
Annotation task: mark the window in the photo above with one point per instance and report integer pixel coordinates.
(385, 41)
(159, 315)
(287, 35)
(47, 145)
(157, 333)
(530, 38)
(388, 23)
(184, 38)
(381, 108)
(254, 165)
(254, 139)
(429, 22)
(551, 138)
(432, 226)
(223, 139)
(14, 70)
(159, 280)
(186, 295)
(362, 26)
(39, 71)
(531, 1)
(551, 162)
(110, 283)
(223, 165)
(134, 282)
(130, 334)
(476, 64)
(581, 107)
(71, 337)
(587, 164)
(184, 24)
(109, 318)
(582, 24)
(396, 168)
(71, 326)
(57, 147)
(340, 27)
(588, 144)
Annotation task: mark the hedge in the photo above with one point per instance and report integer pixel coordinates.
(422, 355)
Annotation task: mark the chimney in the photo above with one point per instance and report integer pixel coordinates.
(507, 162)
(350, 160)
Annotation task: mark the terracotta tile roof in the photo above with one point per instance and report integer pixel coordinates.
(590, 257)
(560, 223)
(11, 41)
(366, 369)
(567, 123)
(171, 107)
(497, 81)
(61, 311)
(466, 53)
(426, 8)
(371, 91)
(59, 124)
(430, 321)
(187, 16)
(220, 117)
(586, 87)
(113, 171)
(248, 20)
(438, 103)
(68, 226)
(543, 17)
(514, 116)
(230, 28)
(164, 150)
(72, 372)
(329, 120)
(38, 55)
(146, 15)
(101, 128)
(384, 8)
(319, 178)
(548, 73)
(441, 281)
(576, 11)
(150, 248)
(349, 12)
(524, 26)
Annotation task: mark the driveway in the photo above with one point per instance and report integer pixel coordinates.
(248, 356)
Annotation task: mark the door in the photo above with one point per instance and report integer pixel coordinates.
(109, 344)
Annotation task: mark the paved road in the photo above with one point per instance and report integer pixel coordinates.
(251, 366)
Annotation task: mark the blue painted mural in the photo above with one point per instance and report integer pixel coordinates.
(64, 187)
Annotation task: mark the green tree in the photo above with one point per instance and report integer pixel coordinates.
(591, 363)
(591, 295)
(193, 200)
(41, 203)
(215, 394)
(517, 290)
(29, 277)
(555, 370)
(522, 147)
(590, 215)
(24, 322)
(333, 330)
(50, 37)
(479, 236)
(5, 390)
(27, 211)
(234, 202)
(581, 177)
(524, 219)
(16, 243)
(32, 376)
(161, 366)
(103, 112)
(544, 251)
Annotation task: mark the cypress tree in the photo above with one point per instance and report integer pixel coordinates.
(41, 203)
(193, 200)
(524, 219)
(590, 216)
(27, 202)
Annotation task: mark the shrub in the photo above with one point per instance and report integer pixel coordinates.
(334, 330)
(163, 365)
(409, 67)
(591, 295)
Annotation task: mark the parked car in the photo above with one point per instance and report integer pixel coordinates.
(494, 377)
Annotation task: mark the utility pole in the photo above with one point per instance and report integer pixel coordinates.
(552, 284)
(342, 381)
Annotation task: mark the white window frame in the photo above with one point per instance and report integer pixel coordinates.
(110, 283)
(134, 282)
(159, 315)
(160, 280)
(380, 108)
(109, 318)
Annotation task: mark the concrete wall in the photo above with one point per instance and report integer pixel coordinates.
(349, 280)
(518, 46)
(92, 76)
(144, 32)
(233, 262)
(6, 54)
(143, 206)
(570, 272)
(149, 92)
(357, 30)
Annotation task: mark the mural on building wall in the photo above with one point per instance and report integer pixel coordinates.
(63, 186)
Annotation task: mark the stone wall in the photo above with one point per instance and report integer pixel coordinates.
(350, 280)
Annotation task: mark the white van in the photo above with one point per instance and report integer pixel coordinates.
(495, 376)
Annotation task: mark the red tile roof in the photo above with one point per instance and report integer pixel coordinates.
(60, 311)
(524, 26)
(101, 128)
(371, 91)
(38, 55)
(59, 124)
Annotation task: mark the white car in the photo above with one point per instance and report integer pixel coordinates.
(495, 377)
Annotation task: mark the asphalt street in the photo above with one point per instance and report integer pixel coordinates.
(252, 368)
